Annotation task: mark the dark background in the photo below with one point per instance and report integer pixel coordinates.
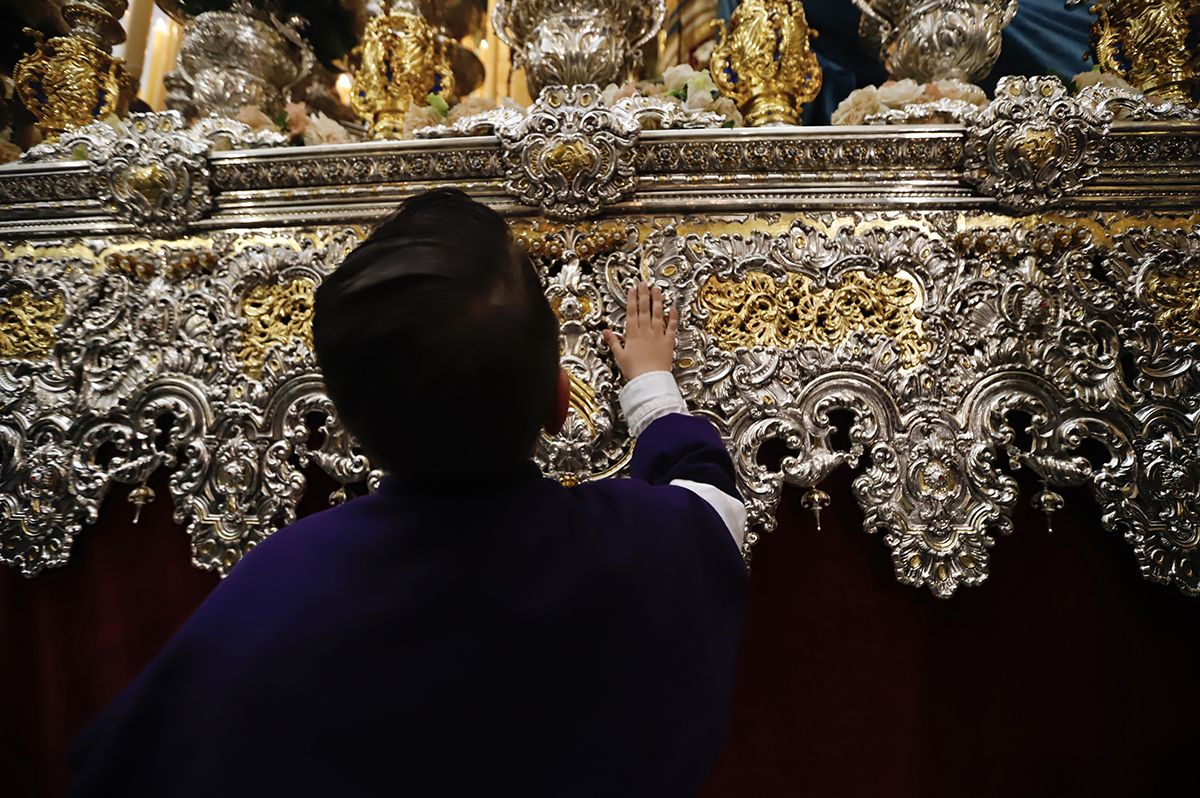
(1065, 674)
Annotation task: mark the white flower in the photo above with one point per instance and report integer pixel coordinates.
(419, 116)
(117, 124)
(703, 53)
(728, 109)
(857, 106)
(469, 106)
(676, 77)
(899, 93)
(323, 130)
(955, 90)
(1096, 77)
(612, 93)
(701, 84)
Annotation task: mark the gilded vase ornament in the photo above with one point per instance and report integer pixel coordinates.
(72, 80)
(244, 56)
(764, 61)
(929, 40)
(575, 42)
(1150, 44)
(402, 60)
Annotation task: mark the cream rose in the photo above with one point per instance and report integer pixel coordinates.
(297, 118)
(323, 130)
(857, 106)
(469, 106)
(728, 109)
(955, 90)
(899, 93)
(1097, 78)
(676, 77)
(418, 116)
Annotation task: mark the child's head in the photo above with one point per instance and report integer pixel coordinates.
(438, 346)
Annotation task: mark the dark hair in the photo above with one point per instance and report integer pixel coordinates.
(438, 346)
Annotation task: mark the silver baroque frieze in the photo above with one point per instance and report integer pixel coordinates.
(932, 353)
(152, 170)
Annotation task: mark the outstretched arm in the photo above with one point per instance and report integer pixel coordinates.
(673, 447)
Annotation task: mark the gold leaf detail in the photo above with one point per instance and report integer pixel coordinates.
(275, 314)
(1176, 299)
(758, 311)
(27, 325)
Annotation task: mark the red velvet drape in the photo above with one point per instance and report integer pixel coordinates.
(1065, 674)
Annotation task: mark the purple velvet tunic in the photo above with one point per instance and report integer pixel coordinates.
(511, 638)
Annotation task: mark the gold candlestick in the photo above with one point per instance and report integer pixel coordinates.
(71, 80)
(402, 58)
(764, 61)
(1146, 43)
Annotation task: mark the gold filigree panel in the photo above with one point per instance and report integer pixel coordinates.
(1176, 300)
(27, 325)
(762, 310)
(275, 314)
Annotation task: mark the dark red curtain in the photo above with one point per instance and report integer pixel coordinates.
(1065, 674)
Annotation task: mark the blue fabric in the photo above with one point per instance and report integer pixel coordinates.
(1044, 38)
(508, 638)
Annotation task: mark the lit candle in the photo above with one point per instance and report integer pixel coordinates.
(344, 85)
(152, 88)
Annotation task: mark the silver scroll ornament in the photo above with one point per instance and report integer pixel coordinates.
(571, 154)
(152, 170)
(964, 346)
(1033, 143)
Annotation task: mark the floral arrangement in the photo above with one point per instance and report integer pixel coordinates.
(436, 111)
(897, 94)
(691, 88)
(1097, 77)
(297, 123)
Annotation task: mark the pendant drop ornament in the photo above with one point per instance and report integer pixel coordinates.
(1049, 502)
(139, 497)
(816, 500)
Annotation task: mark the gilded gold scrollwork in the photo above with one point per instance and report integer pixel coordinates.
(764, 61)
(27, 325)
(1150, 44)
(401, 60)
(761, 310)
(69, 81)
(1176, 300)
(275, 314)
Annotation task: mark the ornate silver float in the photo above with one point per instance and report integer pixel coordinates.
(932, 307)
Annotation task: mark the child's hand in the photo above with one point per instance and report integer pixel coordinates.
(649, 340)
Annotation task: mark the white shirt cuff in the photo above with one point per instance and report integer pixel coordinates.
(731, 510)
(648, 397)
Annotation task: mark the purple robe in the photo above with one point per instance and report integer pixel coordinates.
(512, 637)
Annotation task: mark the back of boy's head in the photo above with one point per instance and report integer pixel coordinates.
(438, 347)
